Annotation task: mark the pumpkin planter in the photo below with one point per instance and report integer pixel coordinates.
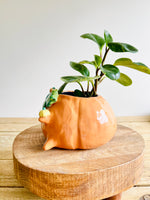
(81, 119)
(78, 123)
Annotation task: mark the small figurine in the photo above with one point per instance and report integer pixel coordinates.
(51, 98)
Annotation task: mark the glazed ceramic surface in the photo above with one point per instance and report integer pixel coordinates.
(78, 123)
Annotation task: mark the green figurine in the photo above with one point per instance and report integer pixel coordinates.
(50, 98)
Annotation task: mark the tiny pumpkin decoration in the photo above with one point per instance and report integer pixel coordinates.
(81, 119)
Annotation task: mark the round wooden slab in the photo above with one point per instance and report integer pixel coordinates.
(78, 174)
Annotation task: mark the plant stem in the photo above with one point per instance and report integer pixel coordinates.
(101, 53)
(93, 89)
(82, 88)
(102, 74)
(106, 51)
(87, 92)
(102, 78)
(96, 81)
(97, 70)
(87, 86)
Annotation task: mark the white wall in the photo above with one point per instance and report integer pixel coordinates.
(38, 38)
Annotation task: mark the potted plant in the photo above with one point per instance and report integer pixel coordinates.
(81, 119)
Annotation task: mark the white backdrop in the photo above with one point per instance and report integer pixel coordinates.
(38, 39)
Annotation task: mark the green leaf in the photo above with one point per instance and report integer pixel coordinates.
(80, 68)
(139, 63)
(96, 38)
(111, 71)
(71, 79)
(98, 60)
(108, 38)
(128, 63)
(88, 62)
(62, 88)
(121, 47)
(124, 80)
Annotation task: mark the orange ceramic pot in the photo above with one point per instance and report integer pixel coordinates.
(78, 123)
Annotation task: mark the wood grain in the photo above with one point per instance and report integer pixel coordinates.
(145, 118)
(17, 194)
(8, 178)
(6, 153)
(19, 124)
(10, 187)
(24, 194)
(32, 121)
(78, 174)
(15, 120)
(7, 175)
(135, 193)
